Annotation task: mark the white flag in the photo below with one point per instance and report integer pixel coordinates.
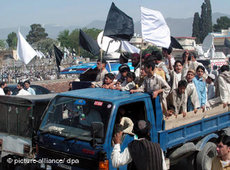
(127, 47)
(154, 28)
(24, 51)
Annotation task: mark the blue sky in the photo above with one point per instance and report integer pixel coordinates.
(16, 13)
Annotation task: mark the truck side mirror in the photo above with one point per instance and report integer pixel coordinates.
(97, 129)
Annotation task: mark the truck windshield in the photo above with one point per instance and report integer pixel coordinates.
(73, 117)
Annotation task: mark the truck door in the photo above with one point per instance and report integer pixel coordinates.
(127, 115)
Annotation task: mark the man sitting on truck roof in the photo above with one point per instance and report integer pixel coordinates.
(101, 64)
(222, 160)
(154, 84)
(142, 154)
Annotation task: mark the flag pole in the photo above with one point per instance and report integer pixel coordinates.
(101, 53)
(141, 56)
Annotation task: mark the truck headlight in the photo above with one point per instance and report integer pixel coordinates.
(26, 148)
(104, 165)
(1, 142)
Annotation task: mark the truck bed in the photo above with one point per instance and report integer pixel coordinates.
(183, 129)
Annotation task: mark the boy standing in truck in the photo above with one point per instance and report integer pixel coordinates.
(178, 98)
(154, 84)
(191, 93)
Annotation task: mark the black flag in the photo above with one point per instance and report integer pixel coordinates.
(226, 43)
(118, 25)
(59, 55)
(175, 43)
(88, 43)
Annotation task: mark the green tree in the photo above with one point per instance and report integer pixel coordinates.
(63, 38)
(2, 45)
(12, 40)
(209, 16)
(203, 22)
(45, 45)
(36, 33)
(74, 40)
(196, 27)
(93, 32)
(222, 23)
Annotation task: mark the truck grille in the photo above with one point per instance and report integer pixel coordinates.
(85, 163)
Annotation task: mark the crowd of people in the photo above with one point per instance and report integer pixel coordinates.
(183, 85)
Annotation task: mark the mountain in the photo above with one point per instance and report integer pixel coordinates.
(179, 27)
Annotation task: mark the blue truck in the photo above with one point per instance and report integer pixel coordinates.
(77, 129)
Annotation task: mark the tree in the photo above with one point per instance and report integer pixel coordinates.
(93, 32)
(2, 45)
(12, 40)
(203, 26)
(36, 33)
(222, 23)
(74, 40)
(45, 45)
(205, 21)
(209, 16)
(63, 38)
(196, 27)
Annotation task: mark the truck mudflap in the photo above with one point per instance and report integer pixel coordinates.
(15, 145)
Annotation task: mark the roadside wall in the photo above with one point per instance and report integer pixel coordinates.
(60, 85)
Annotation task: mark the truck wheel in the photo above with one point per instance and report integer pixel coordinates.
(204, 157)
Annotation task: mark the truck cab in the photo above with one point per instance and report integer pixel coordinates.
(78, 126)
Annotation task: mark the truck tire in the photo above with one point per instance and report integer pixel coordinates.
(204, 157)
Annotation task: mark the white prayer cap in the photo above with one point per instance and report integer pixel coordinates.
(212, 76)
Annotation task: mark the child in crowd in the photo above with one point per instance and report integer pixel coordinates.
(210, 86)
(200, 86)
(129, 83)
(176, 74)
(108, 81)
(154, 84)
(179, 98)
(191, 93)
(123, 71)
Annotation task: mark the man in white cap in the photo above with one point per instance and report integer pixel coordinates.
(141, 154)
(210, 86)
